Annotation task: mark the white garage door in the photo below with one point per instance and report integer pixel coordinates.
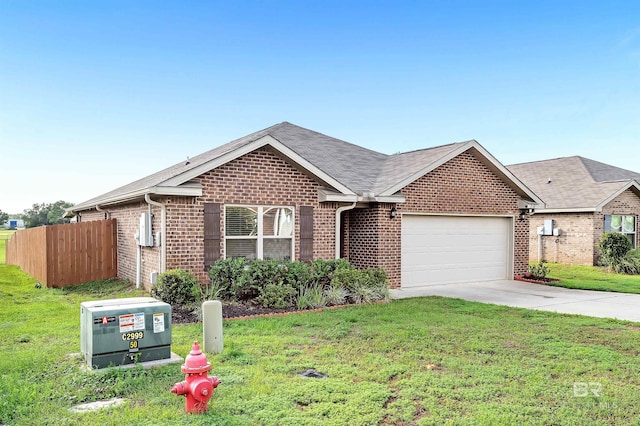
(450, 249)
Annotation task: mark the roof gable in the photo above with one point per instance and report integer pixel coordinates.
(347, 170)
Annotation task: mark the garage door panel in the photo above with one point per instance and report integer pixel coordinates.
(448, 249)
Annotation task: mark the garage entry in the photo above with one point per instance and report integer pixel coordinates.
(451, 249)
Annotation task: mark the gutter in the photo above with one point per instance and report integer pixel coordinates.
(337, 239)
(163, 230)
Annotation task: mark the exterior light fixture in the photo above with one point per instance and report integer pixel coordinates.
(393, 213)
(524, 212)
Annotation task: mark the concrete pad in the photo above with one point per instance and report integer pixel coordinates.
(175, 359)
(535, 296)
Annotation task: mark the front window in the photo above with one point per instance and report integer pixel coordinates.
(259, 232)
(621, 223)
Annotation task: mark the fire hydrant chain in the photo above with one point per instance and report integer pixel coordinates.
(197, 386)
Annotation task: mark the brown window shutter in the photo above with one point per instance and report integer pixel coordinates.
(306, 233)
(211, 234)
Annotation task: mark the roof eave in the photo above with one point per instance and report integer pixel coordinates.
(328, 196)
(567, 210)
(191, 190)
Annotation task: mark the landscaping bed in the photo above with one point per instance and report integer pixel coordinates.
(250, 288)
(230, 310)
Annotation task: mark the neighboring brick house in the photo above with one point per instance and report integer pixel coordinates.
(445, 214)
(584, 198)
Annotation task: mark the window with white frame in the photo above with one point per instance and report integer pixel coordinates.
(625, 224)
(259, 232)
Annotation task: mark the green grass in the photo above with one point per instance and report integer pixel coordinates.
(593, 278)
(425, 361)
(4, 236)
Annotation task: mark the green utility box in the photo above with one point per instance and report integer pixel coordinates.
(124, 331)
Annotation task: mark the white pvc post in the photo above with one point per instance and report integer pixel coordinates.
(212, 326)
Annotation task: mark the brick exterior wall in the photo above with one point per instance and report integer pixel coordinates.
(258, 178)
(581, 232)
(370, 238)
(463, 185)
(575, 246)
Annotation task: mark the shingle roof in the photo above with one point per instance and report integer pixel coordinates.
(573, 182)
(359, 169)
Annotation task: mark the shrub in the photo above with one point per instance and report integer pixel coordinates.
(276, 295)
(613, 247)
(227, 275)
(629, 263)
(363, 286)
(176, 287)
(282, 284)
(336, 295)
(311, 297)
(540, 270)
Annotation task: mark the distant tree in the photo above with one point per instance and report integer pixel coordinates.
(3, 217)
(45, 214)
(56, 212)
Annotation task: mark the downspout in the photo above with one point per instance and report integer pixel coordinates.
(339, 211)
(138, 259)
(539, 248)
(163, 230)
(100, 209)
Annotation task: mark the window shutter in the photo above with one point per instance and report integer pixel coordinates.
(211, 234)
(306, 233)
(607, 223)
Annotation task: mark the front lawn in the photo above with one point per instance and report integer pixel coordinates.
(415, 361)
(593, 278)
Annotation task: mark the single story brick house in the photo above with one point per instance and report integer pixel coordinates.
(446, 214)
(584, 198)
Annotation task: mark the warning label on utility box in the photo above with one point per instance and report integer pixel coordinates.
(158, 323)
(131, 322)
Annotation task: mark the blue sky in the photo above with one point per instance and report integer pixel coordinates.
(96, 94)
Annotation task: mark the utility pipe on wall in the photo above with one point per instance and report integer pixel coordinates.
(539, 247)
(163, 230)
(339, 211)
(138, 259)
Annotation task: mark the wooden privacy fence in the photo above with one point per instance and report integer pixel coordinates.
(62, 255)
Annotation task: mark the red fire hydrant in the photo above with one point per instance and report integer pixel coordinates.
(197, 387)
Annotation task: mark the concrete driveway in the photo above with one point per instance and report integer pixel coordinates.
(535, 296)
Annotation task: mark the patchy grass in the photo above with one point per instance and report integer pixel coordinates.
(425, 361)
(593, 278)
(5, 235)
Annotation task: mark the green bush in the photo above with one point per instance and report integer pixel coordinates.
(227, 276)
(176, 287)
(336, 295)
(276, 295)
(613, 248)
(540, 270)
(362, 285)
(629, 263)
(311, 297)
(279, 284)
